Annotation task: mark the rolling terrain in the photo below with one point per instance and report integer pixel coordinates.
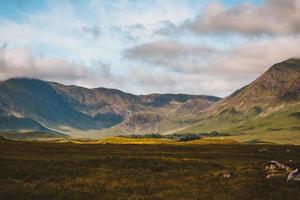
(267, 108)
(46, 170)
(30, 105)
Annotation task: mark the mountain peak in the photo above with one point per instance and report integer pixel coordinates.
(291, 64)
(25, 82)
(278, 85)
(272, 97)
(62, 108)
(21, 79)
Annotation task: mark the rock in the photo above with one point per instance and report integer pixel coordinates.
(263, 150)
(294, 176)
(275, 169)
(274, 166)
(291, 164)
(228, 175)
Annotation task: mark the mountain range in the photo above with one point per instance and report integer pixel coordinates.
(31, 108)
(28, 105)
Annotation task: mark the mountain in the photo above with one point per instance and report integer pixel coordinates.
(31, 105)
(267, 109)
(270, 104)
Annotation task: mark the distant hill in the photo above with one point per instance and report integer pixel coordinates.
(268, 108)
(270, 104)
(36, 105)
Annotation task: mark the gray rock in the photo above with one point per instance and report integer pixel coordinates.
(263, 150)
(274, 166)
(294, 175)
(228, 175)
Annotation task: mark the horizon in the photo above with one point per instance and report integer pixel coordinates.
(144, 47)
(100, 87)
(143, 94)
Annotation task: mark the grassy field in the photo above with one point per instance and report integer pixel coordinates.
(158, 141)
(281, 127)
(44, 170)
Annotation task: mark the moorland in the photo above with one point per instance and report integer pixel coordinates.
(47, 170)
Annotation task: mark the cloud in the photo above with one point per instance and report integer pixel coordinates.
(253, 58)
(272, 17)
(167, 28)
(94, 31)
(175, 55)
(132, 32)
(3, 46)
(166, 81)
(150, 46)
(20, 62)
(195, 68)
(149, 12)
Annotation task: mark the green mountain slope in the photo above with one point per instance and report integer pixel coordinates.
(35, 105)
(269, 104)
(268, 108)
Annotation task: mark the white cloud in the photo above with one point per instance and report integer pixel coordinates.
(214, 71)
(86, 45)
(20, 62)
(254, 57)
(177, 56)
(273, 17)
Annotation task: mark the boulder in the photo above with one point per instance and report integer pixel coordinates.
(274, 166)
(294, 176)
(228, 175)
(277, 169)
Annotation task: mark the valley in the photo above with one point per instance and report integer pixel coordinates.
(266, 110)
(150, 100)
(47, 170)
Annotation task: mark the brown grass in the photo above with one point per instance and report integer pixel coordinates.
(36, 170)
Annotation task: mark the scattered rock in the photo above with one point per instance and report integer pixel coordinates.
(228, 175)
(274, 166)
(275, 169)
(294, 175)
(291, 164)
(263, 150)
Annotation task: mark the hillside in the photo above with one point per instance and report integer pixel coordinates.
(268, 108)
(270, 104)
(36, 105)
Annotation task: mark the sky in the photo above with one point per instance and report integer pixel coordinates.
(210, 47)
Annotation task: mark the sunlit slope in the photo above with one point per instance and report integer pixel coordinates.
(269, 104)
(41, 106)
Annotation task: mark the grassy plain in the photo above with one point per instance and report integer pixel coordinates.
(158, 141)
(281, 127)
(47, 170)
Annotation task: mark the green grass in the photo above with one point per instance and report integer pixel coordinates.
(281, 127)
(144, 141)
(36, 170)
(31, 135)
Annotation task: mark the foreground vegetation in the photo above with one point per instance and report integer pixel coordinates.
(178, 137)
(148, 140)
(44, 170)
